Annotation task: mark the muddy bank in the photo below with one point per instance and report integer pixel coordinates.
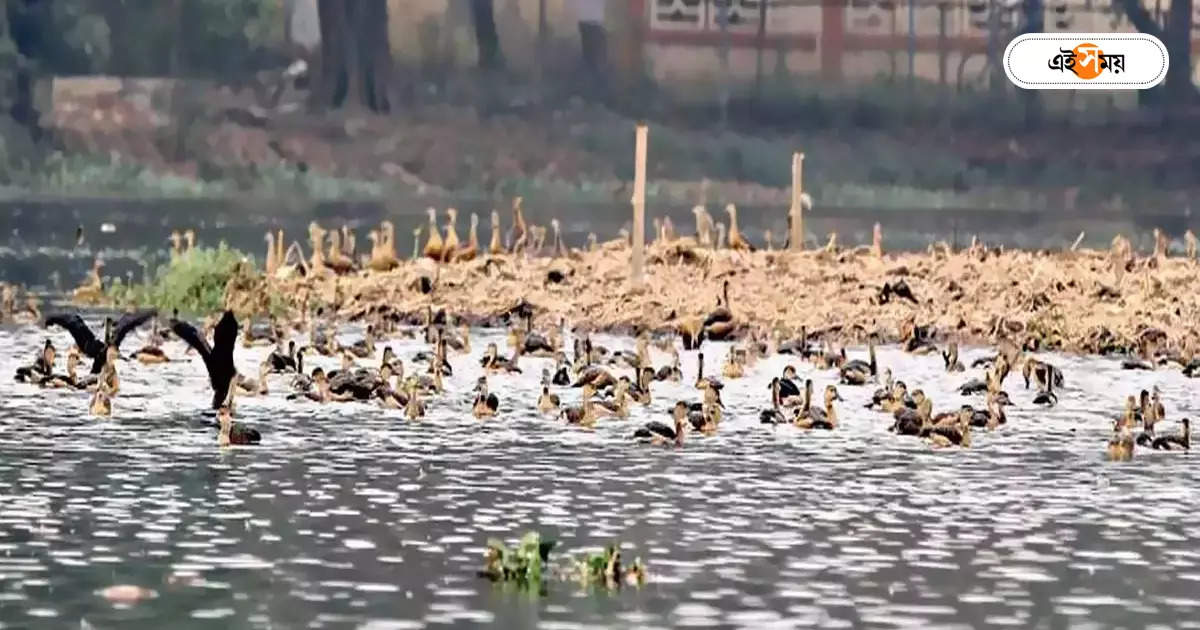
(1085, 301)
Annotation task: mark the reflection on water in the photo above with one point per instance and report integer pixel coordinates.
(350, 516)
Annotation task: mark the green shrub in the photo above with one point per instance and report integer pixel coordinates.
(193, 282)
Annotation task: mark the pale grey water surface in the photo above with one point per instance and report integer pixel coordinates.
(348, 516)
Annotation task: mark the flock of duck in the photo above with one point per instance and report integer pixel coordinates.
(607, 390)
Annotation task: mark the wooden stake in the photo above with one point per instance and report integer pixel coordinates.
(797, 236)
(639, 208)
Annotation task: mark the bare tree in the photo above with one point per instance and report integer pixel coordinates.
(486, 39)
(355, 64)
(1177, 36)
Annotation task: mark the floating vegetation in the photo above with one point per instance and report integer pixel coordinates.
(194, 281)
(605, 570)
(527, 564)
(524, 564)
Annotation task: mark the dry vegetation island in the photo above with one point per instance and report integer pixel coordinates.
(713, 285)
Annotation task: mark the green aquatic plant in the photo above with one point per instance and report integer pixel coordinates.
(527, 565)
(605, 569)
(193, 281)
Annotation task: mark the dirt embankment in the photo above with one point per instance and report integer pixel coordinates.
(574, 148)
(1083, 301)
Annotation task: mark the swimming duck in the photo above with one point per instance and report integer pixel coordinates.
(829, 357)
(229, 433)
(1046, 397)
(1146, 415)
(640, 391)
(491, 361)
(618, 406)
(562, 376)
(284, 362)
(323, 392)
(900, 399)
(391, 360)
(101, 403)
(596, 376)
(534, 343)
(798, 346)
(486, 403)
(913, 420)
(1181, 442)
(993, 416)
(1120, 446)
(547, 402)
(858, 372)
(107, 378)
(882, 393)
(396, 397)
(706, 416)
(950, 357)
(773, 415)
(41, 368)
(251, 387)
(92, 347)
(414, 408)
(1041, 372)
(805, 410)
(819, 418)
(301, 382)
(218, 358)
(703, 382)
(459, 342)
(583, 414)
(365, 347)
(659, 433)
(670, 372)
(733, 367)
(70, 379)
(152, 353)
(257, 335)
(947, 435)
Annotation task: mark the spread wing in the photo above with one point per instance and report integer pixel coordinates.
(130, 321)
(193, 338)
(225, 335)
(73, 323)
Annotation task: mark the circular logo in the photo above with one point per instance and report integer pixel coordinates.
(1087, 61)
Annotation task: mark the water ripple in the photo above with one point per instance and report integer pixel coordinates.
(352, 516)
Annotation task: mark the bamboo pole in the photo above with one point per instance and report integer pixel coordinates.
(639, 208)
(796, 238)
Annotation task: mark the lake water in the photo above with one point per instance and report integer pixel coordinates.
(347, 516)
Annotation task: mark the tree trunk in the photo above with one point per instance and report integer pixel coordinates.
(1177, 37)
(355, 64)
(486, 38)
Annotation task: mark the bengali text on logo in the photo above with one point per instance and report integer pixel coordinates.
(1086, 61)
